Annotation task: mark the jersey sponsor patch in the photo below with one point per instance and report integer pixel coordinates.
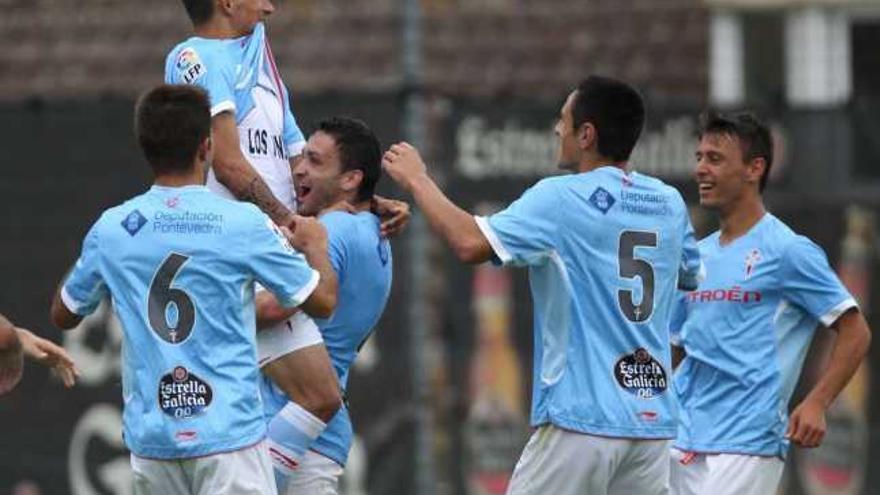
(189, 66)
(602, 200)
(183, 395)
(641, 375)
(134, 222)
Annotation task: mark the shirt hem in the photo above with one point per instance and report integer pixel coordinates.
(72, 304)
(830, 317)
(708, 449)
(306, 291)
(657, 433)
(496, 244)
(214, 448)
(223, 106)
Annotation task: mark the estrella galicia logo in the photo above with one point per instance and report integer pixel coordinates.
(602, 200)
(183, 395)
(641, 375)
(134, 222)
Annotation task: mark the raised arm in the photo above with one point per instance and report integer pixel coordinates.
(238, 175)
(457, 227)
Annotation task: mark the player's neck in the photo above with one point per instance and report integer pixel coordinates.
(590, 163)
(216, 29)
(739, 219)
(180, 180)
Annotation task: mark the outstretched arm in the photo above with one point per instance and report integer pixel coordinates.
(10, 356)
(807, 424)
(457, 227)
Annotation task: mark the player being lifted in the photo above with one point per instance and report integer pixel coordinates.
(341, 166)
(748, 327)
(179, 263)
(256, 142)
(604, 248)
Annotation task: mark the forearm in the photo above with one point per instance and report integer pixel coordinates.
(850, 347)
(457, 227)
(8, 336)
(269, 311)
(245, 184)
(235, 172)
(322, 301)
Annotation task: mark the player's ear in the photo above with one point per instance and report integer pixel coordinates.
(351, 180)
(206, 150)
(586, 136)
(225, 6)
(755, 170)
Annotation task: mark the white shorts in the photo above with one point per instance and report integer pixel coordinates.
(724, 474)
(297, 332)
(561, 462)
(246, 471)
(316, 475)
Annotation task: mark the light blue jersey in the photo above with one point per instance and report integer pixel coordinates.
(240, 76)
(362, 261)
(746, 333)
(604, 251)
(179, 265)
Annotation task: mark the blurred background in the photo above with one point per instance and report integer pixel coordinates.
(440, 394)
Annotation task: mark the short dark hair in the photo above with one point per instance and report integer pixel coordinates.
(615, 109)
(171, 121)
(359, 149)
(199, 11)
(753, 135)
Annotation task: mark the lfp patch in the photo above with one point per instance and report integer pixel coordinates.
(189, 66)
(183, 395)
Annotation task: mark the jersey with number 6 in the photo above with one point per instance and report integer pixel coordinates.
(179, 265)
(606, 251)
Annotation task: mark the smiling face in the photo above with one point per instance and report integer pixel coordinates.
(723, 175)
(318, 177)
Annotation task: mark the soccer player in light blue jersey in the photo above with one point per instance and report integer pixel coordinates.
(179, 264)
(335, 180)
(256, 143)
(605, 248)
(746, 329)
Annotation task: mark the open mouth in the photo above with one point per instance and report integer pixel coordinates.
(302, 192)
(706, 187)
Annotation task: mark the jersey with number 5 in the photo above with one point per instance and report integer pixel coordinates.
(179, 265)
(606, 252)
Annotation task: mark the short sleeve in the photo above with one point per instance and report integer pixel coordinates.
(207, 70)
(85, 287)
(525, 232)
(809, 282)
(691, 271)
(336, 230)
(677, 318)
(277, 266)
